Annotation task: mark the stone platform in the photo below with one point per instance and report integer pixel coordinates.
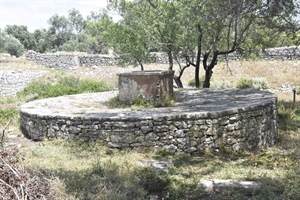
(206, 119)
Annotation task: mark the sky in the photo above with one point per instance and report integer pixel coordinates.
(35, 13)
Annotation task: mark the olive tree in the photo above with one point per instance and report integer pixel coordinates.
(201, 31)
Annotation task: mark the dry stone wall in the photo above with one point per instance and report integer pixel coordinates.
(70, 61)
(13, 81)
(96, 60)
(247, 121)
(280, 53)
(54, 60)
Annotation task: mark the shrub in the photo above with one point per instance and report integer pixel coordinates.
(9, 44)
(255, 83)
(152, 181)
(259, 83)
(65, 86)
(244, 83)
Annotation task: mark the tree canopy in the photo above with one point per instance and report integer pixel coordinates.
(203, 30)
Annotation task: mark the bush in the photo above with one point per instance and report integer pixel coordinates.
(9, 44)
(65, 86)
(192, 82)
(255, 83)
(260, 83)
(244, 83)
(152, 181)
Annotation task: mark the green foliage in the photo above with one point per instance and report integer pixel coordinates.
(255, 83)
(22, 34)
(7, 114)
(9, 44)
(72, 45)
(8, 99)
(288, 115)
(152, 181)
(244, 83)
(64, 86)
(192, 82)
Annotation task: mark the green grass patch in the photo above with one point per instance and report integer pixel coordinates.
(7, 114)
(65, 86)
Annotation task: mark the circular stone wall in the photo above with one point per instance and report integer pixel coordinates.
(202, 120)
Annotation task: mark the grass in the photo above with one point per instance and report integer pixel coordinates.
(78, 170)
(139, 103)
(92, 171)
(65, 85)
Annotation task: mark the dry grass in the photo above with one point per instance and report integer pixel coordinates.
(78, 170)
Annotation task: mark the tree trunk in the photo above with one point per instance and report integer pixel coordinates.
(197, 67)
(141, 64)
(208, 74)
(170, 57)
(208, 68)
(178, 81)
(197, 79)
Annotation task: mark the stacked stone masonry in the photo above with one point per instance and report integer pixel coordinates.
(13, 81)
(71, 61)
(237, 120)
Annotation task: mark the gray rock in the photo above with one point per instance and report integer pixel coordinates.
(216, 185)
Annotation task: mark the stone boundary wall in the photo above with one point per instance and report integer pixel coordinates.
(54, 60)
(279, 53)
(251, 128)
(71, 60)
(13, 81)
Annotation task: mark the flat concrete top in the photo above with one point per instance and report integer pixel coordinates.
(190, 102)
(147, 73)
